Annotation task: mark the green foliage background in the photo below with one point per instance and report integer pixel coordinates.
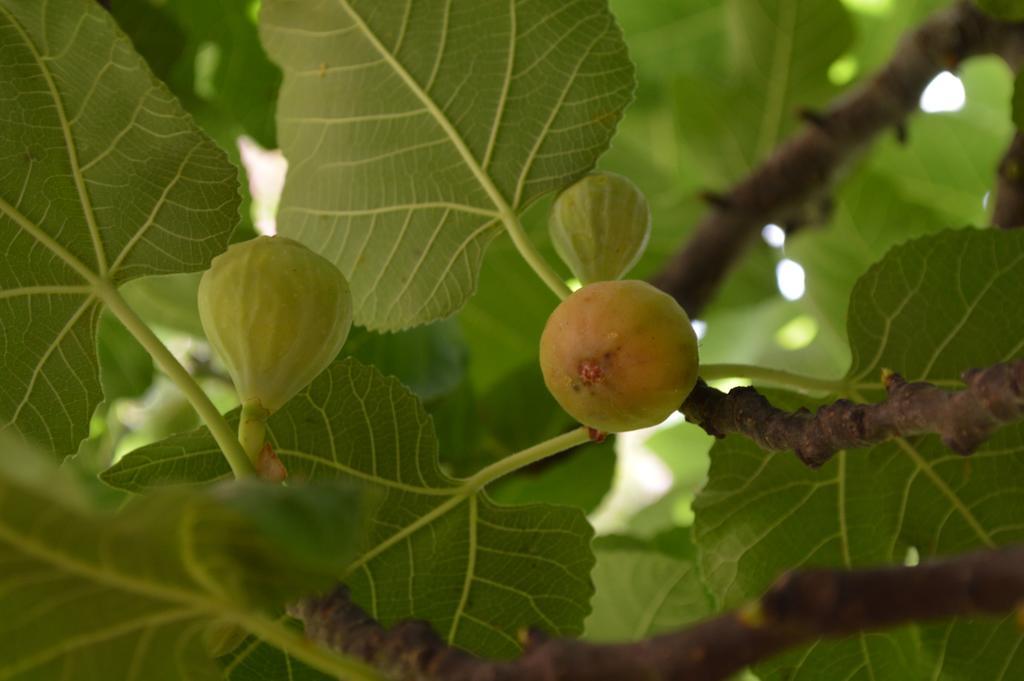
(414, 133)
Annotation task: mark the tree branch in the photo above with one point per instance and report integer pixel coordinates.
(801, 170)
(964, 418)
(799, 608)
(1009, 193)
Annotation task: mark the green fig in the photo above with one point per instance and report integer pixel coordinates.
(619, 355)
(277, 314)
(600, 226)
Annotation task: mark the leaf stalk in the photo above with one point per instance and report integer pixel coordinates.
(214, 420)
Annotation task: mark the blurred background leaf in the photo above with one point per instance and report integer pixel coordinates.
(136, 589)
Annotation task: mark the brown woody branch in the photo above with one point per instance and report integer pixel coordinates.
(963, 418)
(800, 608)
(801, 170)
(1009, 194)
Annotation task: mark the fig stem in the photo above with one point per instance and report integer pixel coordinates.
(219, 428)
(525, 457)
(252, 429)
(530, 254)
(778, 377)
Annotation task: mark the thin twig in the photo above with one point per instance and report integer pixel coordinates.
(799, 608)
(963, 418)
(801, 170)
(1009, 194)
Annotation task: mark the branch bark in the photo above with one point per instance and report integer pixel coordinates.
(964, 418)
(801, 607)
(1009, 193)
(802, 169)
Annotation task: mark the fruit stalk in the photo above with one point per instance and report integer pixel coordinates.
(252, 429)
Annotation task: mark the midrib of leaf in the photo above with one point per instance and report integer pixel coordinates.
(111, 578)
(470, 569)
(781, 56)
(924, 467)
(45, 239)
(504, 211)
(469, 490)
(273, 632)
(460, 495)
(844, 542)
(157, 205)
(369, 477)
(44, 290)
(73, 643)
(500, 204)
(944, 489)
(841, 507)
(69, 142)
(503, 100)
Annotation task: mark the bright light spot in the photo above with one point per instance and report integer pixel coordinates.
(206, 64)
(797, 333)
(641, 478)
(875, 7)
(789, 276)
(984, 199)
(773, 235)
(653, 475)
(574, 284)
(700, 327)
(266, 169)
(843, 70)
(945, 93)
(253, 10)
(912, 558)
(727, 384)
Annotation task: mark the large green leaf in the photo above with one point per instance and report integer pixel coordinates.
(91, 596)
(104, 179)
(931, 309)
(438, 549)
(415, 130)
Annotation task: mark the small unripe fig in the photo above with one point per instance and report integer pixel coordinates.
(277, 314)
(619, 355)
(600, 226)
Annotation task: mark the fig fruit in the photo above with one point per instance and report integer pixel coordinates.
(600, 226)
(619, 355)
(277, 314)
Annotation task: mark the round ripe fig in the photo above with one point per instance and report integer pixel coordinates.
(277, 314)
(600, 226)
(619, 355)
